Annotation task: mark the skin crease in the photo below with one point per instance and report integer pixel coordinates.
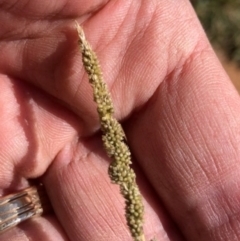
(178, 107)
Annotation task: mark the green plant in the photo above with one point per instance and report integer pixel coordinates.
(114, 141)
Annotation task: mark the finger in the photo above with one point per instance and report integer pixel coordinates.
(40, 228)
(54, 10)
(131, 47)
(29, 123)
(188, 144)
(89, 207)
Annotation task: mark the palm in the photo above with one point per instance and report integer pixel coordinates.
(49, 121)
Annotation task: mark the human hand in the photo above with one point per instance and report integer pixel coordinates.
(178, 107)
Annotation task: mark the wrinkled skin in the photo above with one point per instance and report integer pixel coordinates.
(179, 110)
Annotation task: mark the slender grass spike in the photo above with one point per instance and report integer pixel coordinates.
(114, 141)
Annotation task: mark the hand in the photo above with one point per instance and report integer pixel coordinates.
(178, 107)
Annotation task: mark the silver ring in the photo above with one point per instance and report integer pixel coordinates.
(18, 207)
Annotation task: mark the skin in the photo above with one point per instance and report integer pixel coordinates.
(178, 108)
